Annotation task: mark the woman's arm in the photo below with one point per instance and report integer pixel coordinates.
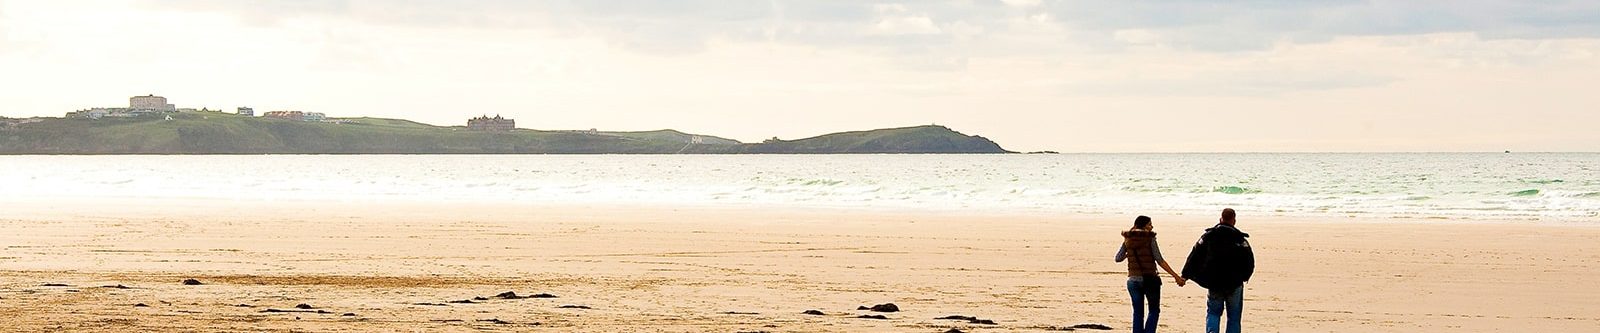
(1175, 277)
(1122, 252)
(1163, 261)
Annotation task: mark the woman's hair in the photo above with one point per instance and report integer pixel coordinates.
(1141, 222)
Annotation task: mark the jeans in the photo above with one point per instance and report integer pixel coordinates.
(1139, 292)
(1219, 300)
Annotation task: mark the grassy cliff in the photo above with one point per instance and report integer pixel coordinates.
(220, 133)
(906, 140)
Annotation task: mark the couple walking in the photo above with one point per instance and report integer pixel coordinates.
(1220, 262)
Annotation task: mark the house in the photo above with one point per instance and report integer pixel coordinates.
(484, 123)
(150, 102)
(290, 115)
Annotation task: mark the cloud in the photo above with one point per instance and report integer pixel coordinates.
(1136, 36)
(4, 36)
(1208, 26)
(1228, 26)
(671, 27)
(1021, 3)
(905, 25)
(955, 35)
(259, 12)
(1254, 83)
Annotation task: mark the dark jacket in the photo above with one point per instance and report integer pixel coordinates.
(1221, 260)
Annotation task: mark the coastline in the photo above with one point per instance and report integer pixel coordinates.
(689, 269)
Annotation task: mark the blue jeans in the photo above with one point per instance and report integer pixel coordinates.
(1219, 300)
(1136, 289)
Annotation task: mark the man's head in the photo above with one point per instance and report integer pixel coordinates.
(1228, 216)
(1142, 222)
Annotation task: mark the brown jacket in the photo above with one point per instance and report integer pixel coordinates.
(1141, 262)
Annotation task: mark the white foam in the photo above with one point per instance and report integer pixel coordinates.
(1450, 186)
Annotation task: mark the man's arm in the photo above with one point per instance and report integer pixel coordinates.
(1249, 261)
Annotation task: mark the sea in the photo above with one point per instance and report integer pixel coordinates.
(1561, 187)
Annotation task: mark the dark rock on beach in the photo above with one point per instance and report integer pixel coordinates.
(872, 317)
(117, 286)
(465, 301)
(570, 306)
(885, 307)
(141, 305)
(969, 319)
(513, 295)
(295, 311)
(304, 306)
(54, 285)
(954, 331)
(814, 313)
(191, 282)
(1090, 326)
(494, 321)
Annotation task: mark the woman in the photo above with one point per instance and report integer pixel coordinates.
(1140, 250)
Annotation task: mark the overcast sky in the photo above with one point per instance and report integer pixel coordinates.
(1071, 76)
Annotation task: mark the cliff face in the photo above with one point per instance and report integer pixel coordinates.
(218, 133)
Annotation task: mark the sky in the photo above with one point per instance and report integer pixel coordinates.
(1063, 75)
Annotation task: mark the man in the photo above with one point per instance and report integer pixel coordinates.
(1222, 262)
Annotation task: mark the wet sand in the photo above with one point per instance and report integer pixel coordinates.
(653, 269)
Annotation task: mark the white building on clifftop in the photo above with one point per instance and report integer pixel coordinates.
(137, 106)
(150, 102)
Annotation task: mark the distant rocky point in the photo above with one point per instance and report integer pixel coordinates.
(230, 133)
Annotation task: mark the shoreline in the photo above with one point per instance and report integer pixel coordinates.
(58, 208)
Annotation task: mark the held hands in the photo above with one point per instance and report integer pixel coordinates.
(1180, 280)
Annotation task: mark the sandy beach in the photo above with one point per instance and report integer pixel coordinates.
(657, 269)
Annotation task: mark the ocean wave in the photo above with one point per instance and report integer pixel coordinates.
(1573, 194)
(1525, 193)
(812, 182)
(1233, 190)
